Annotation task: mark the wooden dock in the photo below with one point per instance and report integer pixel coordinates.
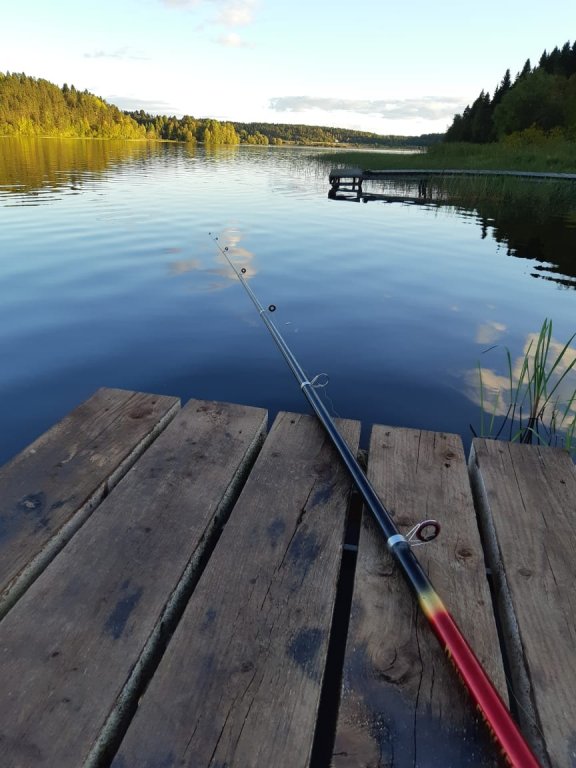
(346, 183)
(183, 587)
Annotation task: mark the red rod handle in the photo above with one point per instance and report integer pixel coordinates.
(505, 731)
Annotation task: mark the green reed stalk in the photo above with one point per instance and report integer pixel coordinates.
(533, 393)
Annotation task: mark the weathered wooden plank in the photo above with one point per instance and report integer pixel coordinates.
(240, 683)
(78, 646)
(336, 174)
(526, 498)
(50, 489)
(402, 703)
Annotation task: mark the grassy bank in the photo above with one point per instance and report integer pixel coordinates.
(529, 151)
(514, 154)
(529, 197)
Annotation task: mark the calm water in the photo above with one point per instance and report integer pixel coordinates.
(109, 278)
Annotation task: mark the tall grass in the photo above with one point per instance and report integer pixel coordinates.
(516, 153)
(523, 152)
(544, 197)
(534, 411)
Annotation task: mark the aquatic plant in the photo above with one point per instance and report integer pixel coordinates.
(517, 153)
(544, 197)
(536, 406)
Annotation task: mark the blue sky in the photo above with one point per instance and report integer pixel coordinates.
(402, 67)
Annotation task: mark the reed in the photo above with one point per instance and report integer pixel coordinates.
(533, 409)
(504, 190)
(542, 197)
(534, 197)
(514, 154)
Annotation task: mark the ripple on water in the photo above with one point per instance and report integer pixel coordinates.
(109, 277)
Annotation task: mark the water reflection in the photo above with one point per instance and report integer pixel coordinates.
(112, 279)
(538, 232)
(32, 170)
(30, 167)
(242, 258)
(489, 332)
(184, 265)
(498, 393)
(229, 239)
(530, 219)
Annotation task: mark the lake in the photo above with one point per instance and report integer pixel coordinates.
(109, 277)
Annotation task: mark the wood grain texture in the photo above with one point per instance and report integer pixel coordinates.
(78, 646)
(526, 497)
(402, 702)
(51, 487)
(240, 683)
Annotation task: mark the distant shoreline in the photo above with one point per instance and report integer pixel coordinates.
(285, 145)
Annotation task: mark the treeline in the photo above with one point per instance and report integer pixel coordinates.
(36, 107)
(540, 100)
(191, 129)
(187, 128)
(285, 133)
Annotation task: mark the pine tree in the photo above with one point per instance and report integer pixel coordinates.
(503, 88)
(481, 119)
(525, 71)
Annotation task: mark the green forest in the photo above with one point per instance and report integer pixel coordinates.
(540, 102)
(185, 128)
(35, 107)
(283, 133)
(191, 129)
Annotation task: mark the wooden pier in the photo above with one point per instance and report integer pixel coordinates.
(183, 587)
(346, 183)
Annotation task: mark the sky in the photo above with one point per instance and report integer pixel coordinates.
(401, 67)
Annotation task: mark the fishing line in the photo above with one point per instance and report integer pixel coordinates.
(329, 400)
(483, 693)
(321, 381)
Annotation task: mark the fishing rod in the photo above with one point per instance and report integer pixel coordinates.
(504, 730)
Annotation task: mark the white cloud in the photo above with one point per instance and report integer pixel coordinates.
(242, 258)
(427, 107)
(487, 333)
(232, 40)
(185, 265)
(496, 386)
(119, 53)
(231, 13)
(237, 13)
